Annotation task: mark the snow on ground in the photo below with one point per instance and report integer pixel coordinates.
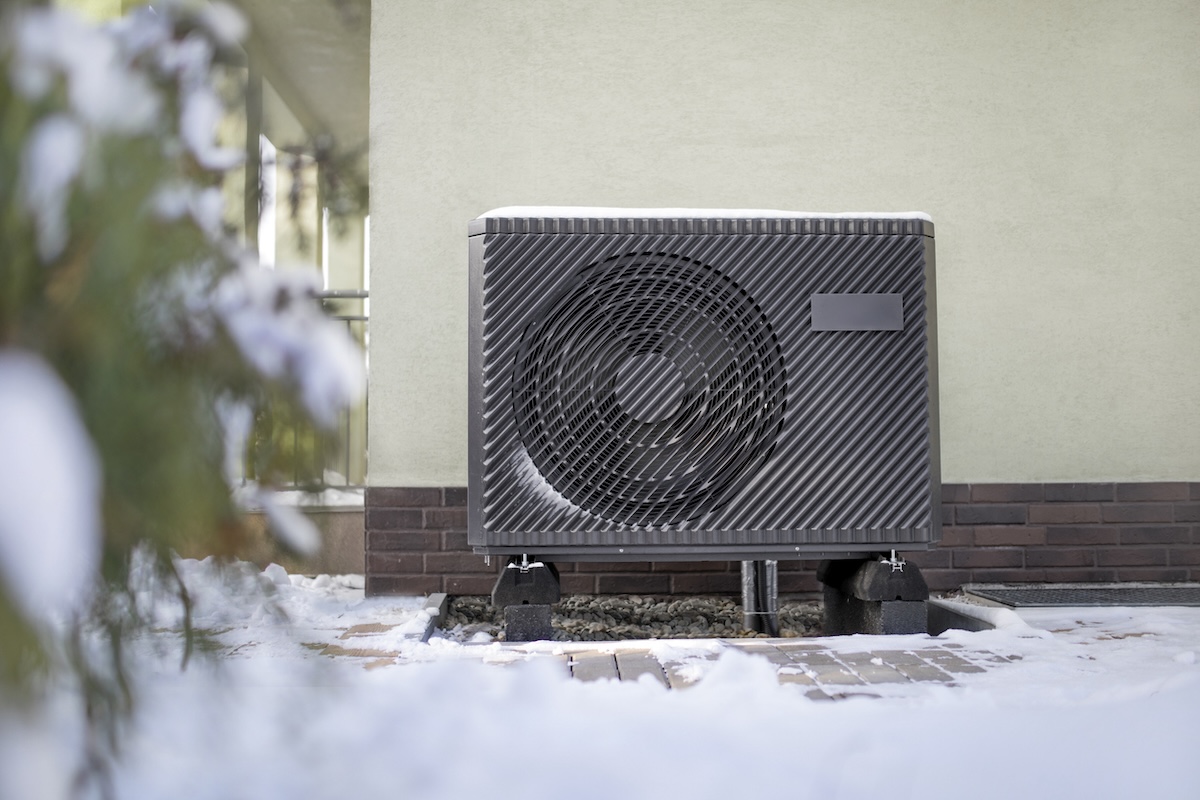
(1100, 703)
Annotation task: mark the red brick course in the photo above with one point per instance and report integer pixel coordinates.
(416, 543)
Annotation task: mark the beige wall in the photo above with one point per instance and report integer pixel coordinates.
(1056, 145)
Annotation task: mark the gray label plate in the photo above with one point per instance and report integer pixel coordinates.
(857, 312)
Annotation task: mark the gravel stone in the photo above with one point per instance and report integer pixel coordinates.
(603, 618)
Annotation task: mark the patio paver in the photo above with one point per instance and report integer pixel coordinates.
(817, 664)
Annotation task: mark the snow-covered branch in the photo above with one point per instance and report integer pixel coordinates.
(128, 312)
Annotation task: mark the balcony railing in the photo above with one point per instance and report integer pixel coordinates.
(347, 466)
(282, 442)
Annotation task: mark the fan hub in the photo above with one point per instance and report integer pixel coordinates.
(649, 387)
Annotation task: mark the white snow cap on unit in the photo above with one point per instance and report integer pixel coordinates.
(597, 212)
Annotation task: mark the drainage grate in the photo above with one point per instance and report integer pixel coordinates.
(1090, 595)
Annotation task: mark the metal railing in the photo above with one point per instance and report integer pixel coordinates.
(347, 467)
(298, 446)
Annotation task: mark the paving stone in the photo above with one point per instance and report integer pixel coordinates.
(357, 652)
(795, 676)
(871, 668)
(831, 675)
(748, 644)
(789, 645)
(953, 663)
(633, 665)
(379, 662)
(678, 676)
(814, 659)
(857, 658)
(557, 658)
(772, 654)
(367, 629)
(923, 673)
(679, 673)
(880, 673)
(563, 660)
(898, 657)
(846, 695)
(997, 658)
(594, 666)
(834, 675)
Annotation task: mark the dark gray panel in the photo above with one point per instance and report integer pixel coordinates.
(857, 312)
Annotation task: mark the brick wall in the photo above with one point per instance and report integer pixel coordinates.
(416, 543)
(1066, 532)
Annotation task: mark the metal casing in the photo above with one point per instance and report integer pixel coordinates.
(687, 388)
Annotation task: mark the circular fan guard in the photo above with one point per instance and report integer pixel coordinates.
(649, 390)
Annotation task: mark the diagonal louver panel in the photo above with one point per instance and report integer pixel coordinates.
(658, 386)
(648, 389)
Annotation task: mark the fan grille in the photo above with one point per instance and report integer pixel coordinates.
(649, 390)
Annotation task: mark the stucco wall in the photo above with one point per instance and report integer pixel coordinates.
(1054, 143)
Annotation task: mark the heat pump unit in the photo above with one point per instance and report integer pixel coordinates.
(687, 385)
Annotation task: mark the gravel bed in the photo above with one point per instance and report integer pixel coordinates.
(603, 618)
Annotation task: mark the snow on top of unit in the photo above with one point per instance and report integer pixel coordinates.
(598, 212)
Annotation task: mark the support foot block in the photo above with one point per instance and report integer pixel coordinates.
(527, 623)
(875, 595)
(845, 614)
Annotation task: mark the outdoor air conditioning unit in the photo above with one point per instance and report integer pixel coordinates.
(692, 385)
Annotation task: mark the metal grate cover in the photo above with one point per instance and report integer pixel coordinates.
(1108, 595)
